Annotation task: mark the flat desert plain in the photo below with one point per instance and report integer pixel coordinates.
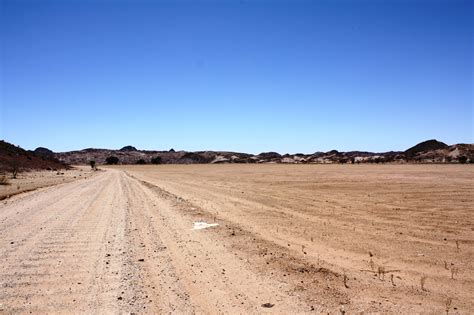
(283, 239)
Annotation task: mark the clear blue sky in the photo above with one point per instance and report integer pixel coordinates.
(252, 76)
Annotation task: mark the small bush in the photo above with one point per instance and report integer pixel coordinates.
(112, 160)
(92, 164)
(140, 161)
(4, 180)
(156, 160)
(462, 159)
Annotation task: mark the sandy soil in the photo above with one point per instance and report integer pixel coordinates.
(301, 238)
(28, 181)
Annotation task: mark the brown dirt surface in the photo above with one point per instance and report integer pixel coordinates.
(32, 180)
(290, 239)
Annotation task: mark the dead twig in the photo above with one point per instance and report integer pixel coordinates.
(454, 271)
(448, 304)
(345, 280)
(422, 282)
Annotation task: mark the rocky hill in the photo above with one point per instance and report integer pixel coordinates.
(425, 146)
(431, 151)
(16, 158)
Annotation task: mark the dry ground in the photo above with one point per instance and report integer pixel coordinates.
(304, 238)
(32, 180)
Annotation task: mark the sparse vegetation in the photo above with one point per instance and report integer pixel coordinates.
(462, 159)
(4, 180)
(112, 160)
(140, 161)
(448, 303)
(14, 168)
(92, 164)
(381, 272)
(423, 282)
(454, 271)
(230, 189)
(372, 265)
(345, 279)
(156, 160)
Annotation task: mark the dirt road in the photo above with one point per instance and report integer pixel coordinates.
(122, 241)
(109, 244)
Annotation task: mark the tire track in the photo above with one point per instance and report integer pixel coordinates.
(61, 266)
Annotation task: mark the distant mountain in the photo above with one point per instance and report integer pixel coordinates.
(45, 152)
(444, 154)
(426, 146)
(13, 157)
(128, 148)
(431, 151)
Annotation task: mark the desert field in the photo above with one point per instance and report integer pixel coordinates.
(32, 180)
(283, 239)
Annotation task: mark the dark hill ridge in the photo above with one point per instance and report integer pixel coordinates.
(426, 146)
(431, 151)
(13, 157)
(43, 151)
(128, 148)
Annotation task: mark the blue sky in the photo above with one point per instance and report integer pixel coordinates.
(251, 76)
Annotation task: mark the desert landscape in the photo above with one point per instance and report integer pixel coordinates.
(242, 238)
(236, 157)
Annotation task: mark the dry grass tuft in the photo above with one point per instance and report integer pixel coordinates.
(4, 180)
(446, 265)
(345, 281)
(422, 282)
(449, 301)
(454, 271)
(381, 272)
(372, 265)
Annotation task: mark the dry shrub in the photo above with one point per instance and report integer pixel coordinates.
(381, 272)
(454, 271)
(345, 278)
(422, 283)
(448, 304)
(4, 180)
